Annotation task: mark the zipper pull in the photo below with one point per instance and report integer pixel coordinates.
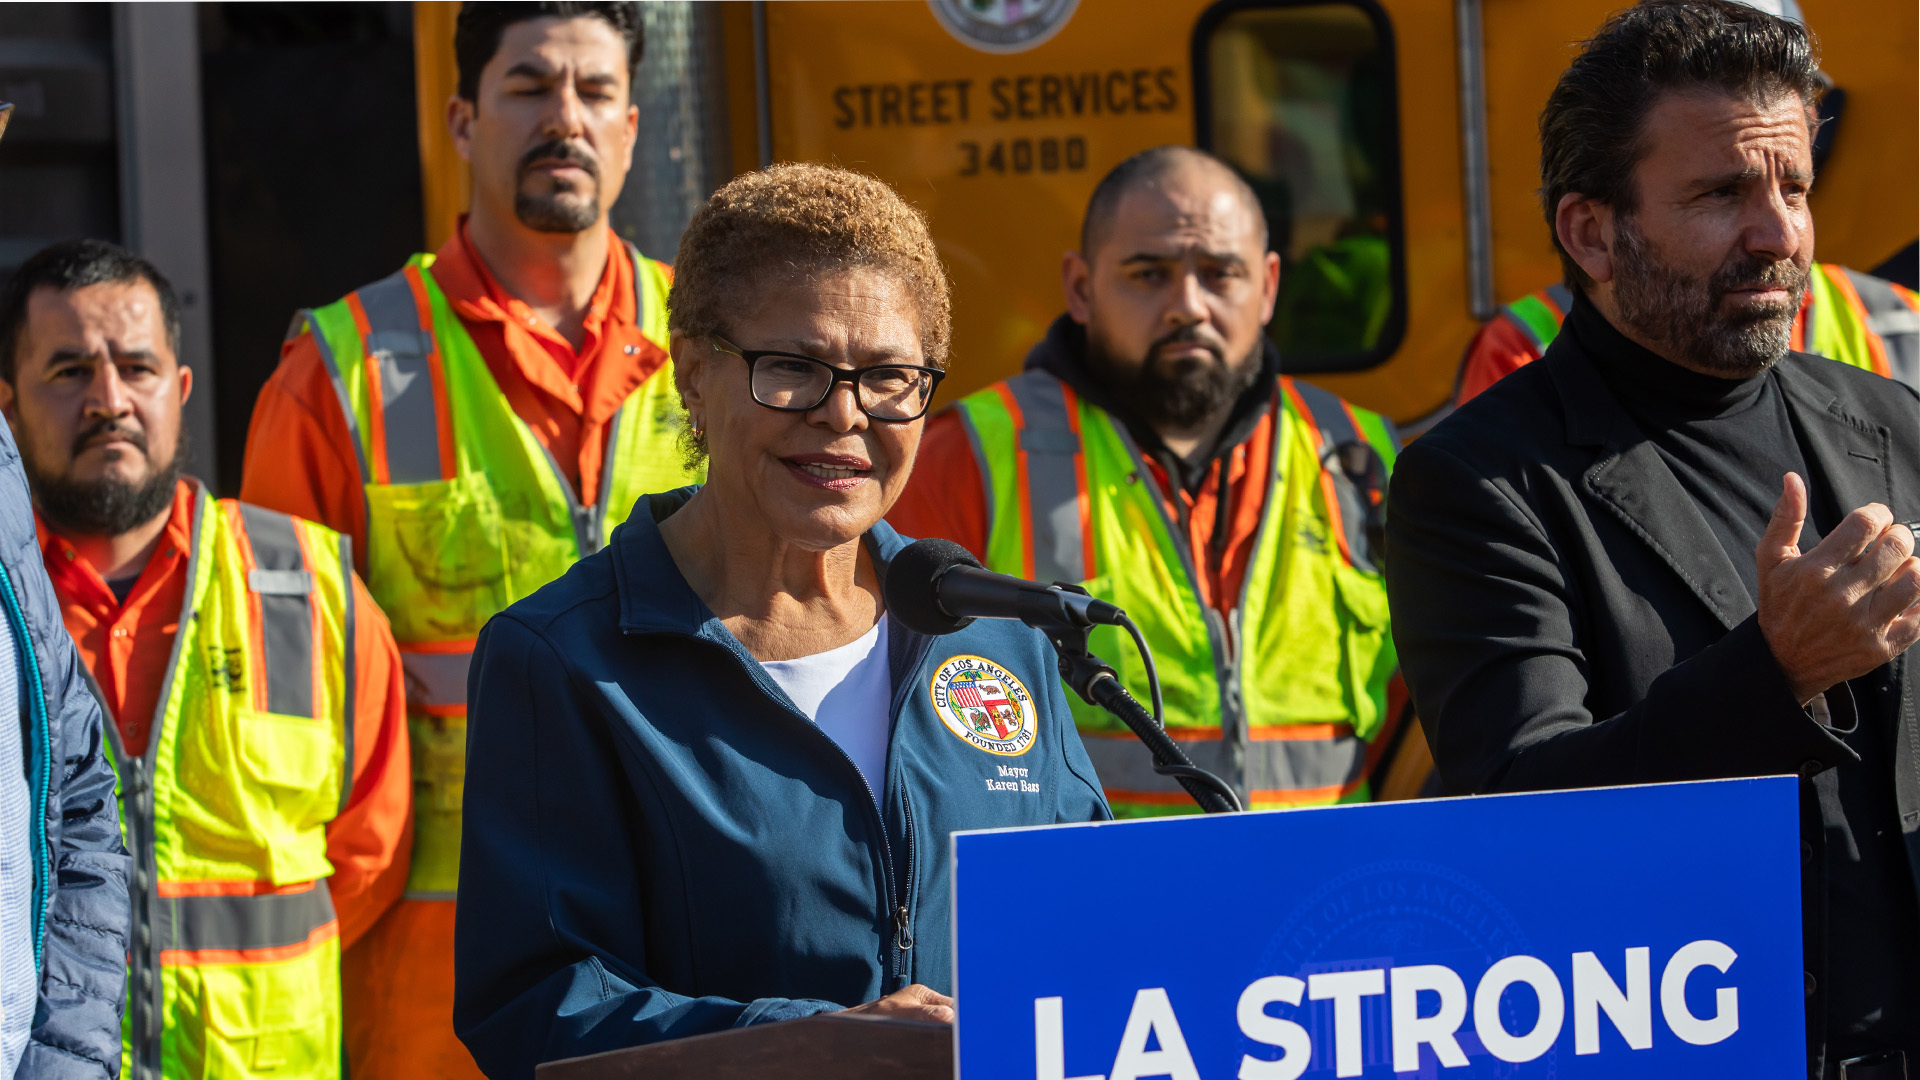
(902, 929)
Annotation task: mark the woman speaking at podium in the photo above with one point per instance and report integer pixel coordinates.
(710, 782)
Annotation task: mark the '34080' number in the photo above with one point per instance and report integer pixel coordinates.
(1024, 155)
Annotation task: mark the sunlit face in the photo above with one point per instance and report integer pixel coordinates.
(95, 402)
(1713, 261)
(823, 477)
(550, 132)
(1176, 295)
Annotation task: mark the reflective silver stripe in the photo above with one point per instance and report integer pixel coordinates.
(1525, 328)
(286, 617)
(271, 921)
(1345, 453)
(1894, 323)
(1124, 765)
(1053, 478)
(436, 678)
(430, 894)
(280, 582)
(1561, 296)
(399, 347)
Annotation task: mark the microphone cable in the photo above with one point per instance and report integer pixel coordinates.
(1179, 768)
(1153, 674)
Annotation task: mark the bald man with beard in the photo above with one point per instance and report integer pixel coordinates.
(1152, 452)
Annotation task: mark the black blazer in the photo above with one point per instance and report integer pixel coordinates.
(1565, 616)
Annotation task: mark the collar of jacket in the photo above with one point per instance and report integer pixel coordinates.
(1846, 453)
(1063, 354)
(656, 599)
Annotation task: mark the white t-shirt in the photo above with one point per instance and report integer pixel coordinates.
(848, 693)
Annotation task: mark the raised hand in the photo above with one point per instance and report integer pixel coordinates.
(1844, 608)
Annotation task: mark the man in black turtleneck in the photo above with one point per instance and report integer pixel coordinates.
(1672, 549)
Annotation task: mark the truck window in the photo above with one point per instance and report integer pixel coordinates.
(1299, 96)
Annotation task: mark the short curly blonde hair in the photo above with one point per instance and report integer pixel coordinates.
(801, 219)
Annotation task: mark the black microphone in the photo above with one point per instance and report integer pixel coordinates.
(938, 587)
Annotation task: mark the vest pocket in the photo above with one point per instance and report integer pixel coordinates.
(271, 1019)
(291, 766)
(286, 752)
(438, 554)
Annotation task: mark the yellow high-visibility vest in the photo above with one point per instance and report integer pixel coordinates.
(467, 511)
(234, 967)
(1281, 698)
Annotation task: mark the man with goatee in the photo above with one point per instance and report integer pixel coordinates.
(1672, 549)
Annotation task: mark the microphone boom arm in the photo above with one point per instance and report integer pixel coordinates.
(1096, 683)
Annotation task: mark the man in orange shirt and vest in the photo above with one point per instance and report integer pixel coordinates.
(1845, 315)
(476, 422)
(257, 707)
(1153, 451)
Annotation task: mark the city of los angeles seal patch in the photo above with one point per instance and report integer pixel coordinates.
(983, 703)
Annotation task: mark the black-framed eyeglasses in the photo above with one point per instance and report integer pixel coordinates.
(791, 382)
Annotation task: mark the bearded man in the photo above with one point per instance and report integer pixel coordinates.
(252, 689)
(1672, 549)
(1153, 453)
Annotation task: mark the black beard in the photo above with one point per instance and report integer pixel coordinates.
(1174, 394)
(559, 211)
(106, 506)
(1663, 304)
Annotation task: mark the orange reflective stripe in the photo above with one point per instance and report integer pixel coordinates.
(442, 414)
(1020, 479)
(1306, 796)
(376, 410)
(1327, 495)
(231, 887)
(1319, 796)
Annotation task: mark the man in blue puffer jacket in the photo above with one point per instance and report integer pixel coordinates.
(64, 907)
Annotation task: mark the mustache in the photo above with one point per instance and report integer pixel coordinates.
(1753, 272)
(110, 428)
(563, 151)
(1187, 335)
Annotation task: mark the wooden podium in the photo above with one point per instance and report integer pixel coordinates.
(829, 1045)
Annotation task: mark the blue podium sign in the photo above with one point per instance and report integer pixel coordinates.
(1639, 931)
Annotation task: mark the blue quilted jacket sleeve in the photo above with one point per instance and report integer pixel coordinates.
(83, 974)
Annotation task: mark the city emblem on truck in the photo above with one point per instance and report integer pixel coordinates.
(1003, 26)
(983, 703)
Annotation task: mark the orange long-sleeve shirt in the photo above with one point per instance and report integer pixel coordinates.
(127, 646)
(944, 498)
(300, 459)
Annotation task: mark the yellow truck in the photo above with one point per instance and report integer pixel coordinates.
(1393, 142)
